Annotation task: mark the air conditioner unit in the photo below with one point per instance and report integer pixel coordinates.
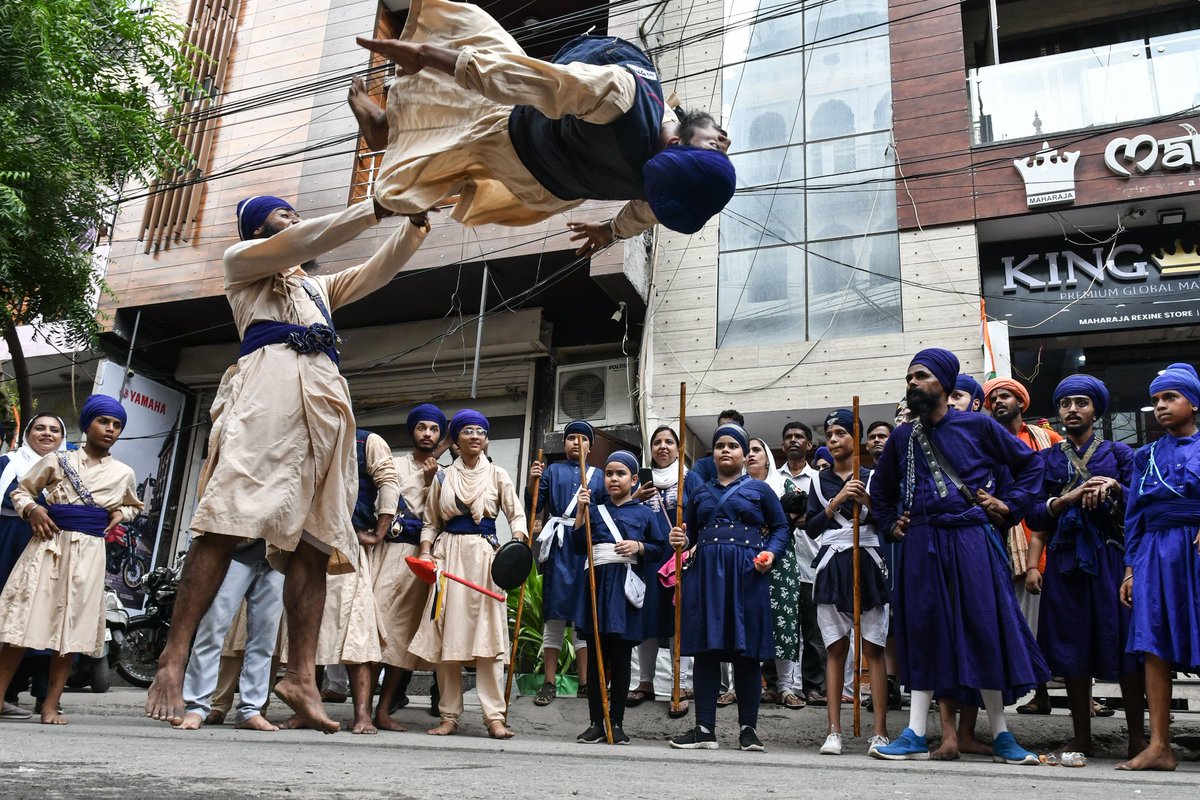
(600, 393)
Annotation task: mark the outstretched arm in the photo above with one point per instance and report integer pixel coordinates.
(357, 282)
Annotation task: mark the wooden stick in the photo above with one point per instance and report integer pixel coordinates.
(512, 658)
(857, 588)
(679, 550)
(587, 521)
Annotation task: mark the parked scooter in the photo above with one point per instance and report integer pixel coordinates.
(95, 671)
(147, 633)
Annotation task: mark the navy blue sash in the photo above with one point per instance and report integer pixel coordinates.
(1172, 514)
(91, 520)
(410, 525)
(721, 499)
(313, 338)
(464, 524)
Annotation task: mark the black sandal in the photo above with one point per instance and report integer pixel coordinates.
(638, 696)
(545, 695)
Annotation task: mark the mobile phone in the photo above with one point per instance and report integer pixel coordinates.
(645, 476)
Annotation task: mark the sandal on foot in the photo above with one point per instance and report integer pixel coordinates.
(1032, 707)
(545, 695)
(726, 699)
(769, 696)
(638, 696)
(679, 712)
(791, 700)
(1101, 710)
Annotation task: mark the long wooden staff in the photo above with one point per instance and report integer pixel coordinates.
(587, 522)
(508, 682)
(857, 589)
(679, 550)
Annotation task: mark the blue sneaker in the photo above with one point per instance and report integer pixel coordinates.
(1005, 750)
(905, 747)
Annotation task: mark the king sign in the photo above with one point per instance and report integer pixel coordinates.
(1144, 152)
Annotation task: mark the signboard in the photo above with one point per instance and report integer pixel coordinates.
(1142, 279)
(1049, 177)
(148, 446)
(1145, 152)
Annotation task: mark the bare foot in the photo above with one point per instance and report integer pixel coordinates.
(384, 722)
(257, 723)
(53, 717)
(969, 744)
(364, 726)
(191, 722)
(164, 698)
(306, 702)
(448, 727)
(497, 730)
(1076, 746)
(1152, 758)
(371, 118)
(215, 718)
(293, 723)
(947, 752)
(1136, 746)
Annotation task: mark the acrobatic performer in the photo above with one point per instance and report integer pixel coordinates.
(519, 139)
(285, 389)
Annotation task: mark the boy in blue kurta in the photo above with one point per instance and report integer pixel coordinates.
(563, 576)
(1083, 625)
(628, 540)
(958, 626)
(739, 530)
(1162, 555)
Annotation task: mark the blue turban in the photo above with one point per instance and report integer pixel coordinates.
(100, 405)
(467, 417)
(965, 383)
(253, 212)
(1084, 385)
(686, 186)
(428, 412)
(580, 427)
(627, 458)
(823, 454)
(1180, 377)
(942, 363)
(845, 418)
(734, 430)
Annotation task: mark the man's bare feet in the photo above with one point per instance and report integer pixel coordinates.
(371, 118)
(164, 698)
(53, 717)
(293, 723)
(1152, 758)
(306, 702)
(1077, 746)
(969, 744)
(448, 727)
(384, 722)
(257, 723)
(215, 718)
(191, 722)
(948, 751)
(1136, 746)
(497, 730)
(364, 725)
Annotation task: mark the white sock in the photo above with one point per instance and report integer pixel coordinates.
(994, 704)
(918, 712)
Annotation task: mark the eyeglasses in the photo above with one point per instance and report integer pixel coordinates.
(473, 432)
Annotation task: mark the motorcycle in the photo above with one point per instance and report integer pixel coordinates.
(95, 671)
(121, 552)
(147, 633)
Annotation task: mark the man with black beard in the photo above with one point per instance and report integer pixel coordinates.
(958, 626)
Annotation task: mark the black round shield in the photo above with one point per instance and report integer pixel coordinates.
(511, 565)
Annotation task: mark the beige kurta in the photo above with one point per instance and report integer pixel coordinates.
(472, 625)
(281, 456)
(54, 598)
(448, 134)
(399, 595)
(352, 631)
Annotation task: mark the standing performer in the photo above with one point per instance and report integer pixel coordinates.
(1084, 628)
(285, 389)
(739, 530)
(564, 583)
(399, 595)
(520, 139)
(830, 514)
(967, 394)
(54, 598)
(460, 537)
(958, 623)
(628, 541)
(878, 433)
(1162, 555)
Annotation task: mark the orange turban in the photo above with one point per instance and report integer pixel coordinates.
(1016, 387)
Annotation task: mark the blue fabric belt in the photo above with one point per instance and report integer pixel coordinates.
(314, 338)
(1172, 514)
(91, 520)
(410, 531)
(464, 524)
(738, 533)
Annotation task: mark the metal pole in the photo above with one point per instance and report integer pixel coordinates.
(994, 19)
(479, 333)
(129, 356)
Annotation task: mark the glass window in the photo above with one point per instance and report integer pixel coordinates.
(764, 102)
(770, 196)
(848, 89)
(845, 20)
(854, 287)
(851, 188)
(760, 296)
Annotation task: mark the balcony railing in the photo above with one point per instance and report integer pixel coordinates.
(1120, 83)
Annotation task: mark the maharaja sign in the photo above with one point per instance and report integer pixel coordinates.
(1051, 286)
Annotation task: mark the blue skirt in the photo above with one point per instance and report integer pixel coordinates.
(564, 583)
(727, 604)
(618, 617)
(834, 585)
(1082, 625)
(15, 533)
(958, 625)
(1165, 621)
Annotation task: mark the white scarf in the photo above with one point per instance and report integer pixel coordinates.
(773, 479)
(668, 476)
(471, 486)
(20, 461)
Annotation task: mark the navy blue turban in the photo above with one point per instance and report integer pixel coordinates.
(734, 430)
(253, 212)
(580, 427)
(965, 383)
(1180, 377)
(100, 405)
(845, 418)
(627, 458)
(1087, 386)
(823, 454)
(467, 417)
(428, 412)
(686, 186)
(942, 363)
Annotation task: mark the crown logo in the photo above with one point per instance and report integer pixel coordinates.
(1177, 262)
(1049, 176)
